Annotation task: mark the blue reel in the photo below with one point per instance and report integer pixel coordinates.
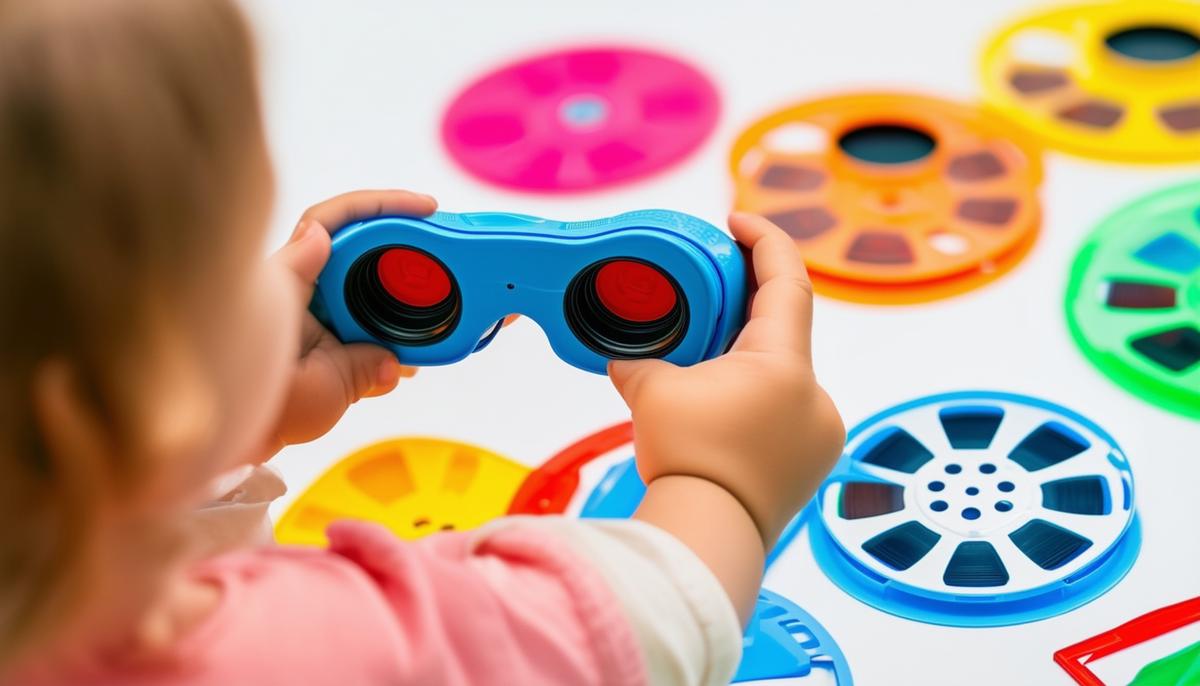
(785, 642)
(646, 284)
(977, 509)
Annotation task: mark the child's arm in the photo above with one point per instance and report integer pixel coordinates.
(732, 448)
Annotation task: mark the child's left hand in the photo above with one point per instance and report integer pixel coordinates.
(331, 375)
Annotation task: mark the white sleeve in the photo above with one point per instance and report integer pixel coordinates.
(236, 514)
(684, 621)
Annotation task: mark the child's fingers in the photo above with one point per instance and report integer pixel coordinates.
(627, 376)
(331, 378)
(305, 255)
(343, 209)
(781, 310)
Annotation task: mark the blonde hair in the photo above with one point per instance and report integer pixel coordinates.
(123, 124)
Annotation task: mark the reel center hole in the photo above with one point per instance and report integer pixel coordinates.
(584, 111)
(887, 144)
(1154, 43)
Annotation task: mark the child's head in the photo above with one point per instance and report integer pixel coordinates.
(144, 341)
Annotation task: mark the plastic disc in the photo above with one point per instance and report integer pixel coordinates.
(977, 509)
(555, 487)
(1133, 302)
(580, 119)
(785, 642)
(414, 486)
(895, 198)
(1110, 80)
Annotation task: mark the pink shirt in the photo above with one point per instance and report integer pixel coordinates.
(374, 610)
(524, 601)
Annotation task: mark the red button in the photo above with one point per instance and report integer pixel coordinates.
(413, 277)
(634, 291)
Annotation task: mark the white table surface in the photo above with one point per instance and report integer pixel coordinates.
(355, 91)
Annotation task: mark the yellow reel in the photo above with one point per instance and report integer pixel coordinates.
(1109, 80)
(414, 486)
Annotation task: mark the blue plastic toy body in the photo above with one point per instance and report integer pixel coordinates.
(434, 290)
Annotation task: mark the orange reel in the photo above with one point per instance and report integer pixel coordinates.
(894, 198)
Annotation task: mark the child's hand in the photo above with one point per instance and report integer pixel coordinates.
(753, 421)
(331, 375)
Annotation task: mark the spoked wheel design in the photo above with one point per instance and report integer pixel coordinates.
(414, 486)
(1133, 303)
(894, 198)
(1111, 80)
(977, 509)
(580, 119)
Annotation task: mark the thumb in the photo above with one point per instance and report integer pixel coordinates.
(627, 376)
(305, 253)
(373, 370)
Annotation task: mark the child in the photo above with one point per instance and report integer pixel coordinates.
(147, 352)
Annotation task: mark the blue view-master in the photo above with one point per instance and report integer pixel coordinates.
(652, 283)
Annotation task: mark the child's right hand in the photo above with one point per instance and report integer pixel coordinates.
(753, 421)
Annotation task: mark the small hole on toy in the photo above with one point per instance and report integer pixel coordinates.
(971, 490)
(510, 286)
(1043, 48)
(953, 468)
(1004, 506)
(447, 527)
(938, 506)
(797, 139)
(987, 468)
(420, 522)
(936, 485)
(971, 513)
(584, 111)
(1006, 486)
(948, 243)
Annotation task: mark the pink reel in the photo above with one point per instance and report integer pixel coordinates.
(580, 119)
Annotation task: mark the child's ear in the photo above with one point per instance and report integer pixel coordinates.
(117, 438)
(80, 450)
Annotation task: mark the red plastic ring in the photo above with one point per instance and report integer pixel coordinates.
(548, 489)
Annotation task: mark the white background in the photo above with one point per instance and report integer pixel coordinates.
(354, 95)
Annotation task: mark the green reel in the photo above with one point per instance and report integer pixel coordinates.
(1133, 302)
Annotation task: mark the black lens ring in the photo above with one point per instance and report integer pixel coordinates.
(614, 337)
(390, 320)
